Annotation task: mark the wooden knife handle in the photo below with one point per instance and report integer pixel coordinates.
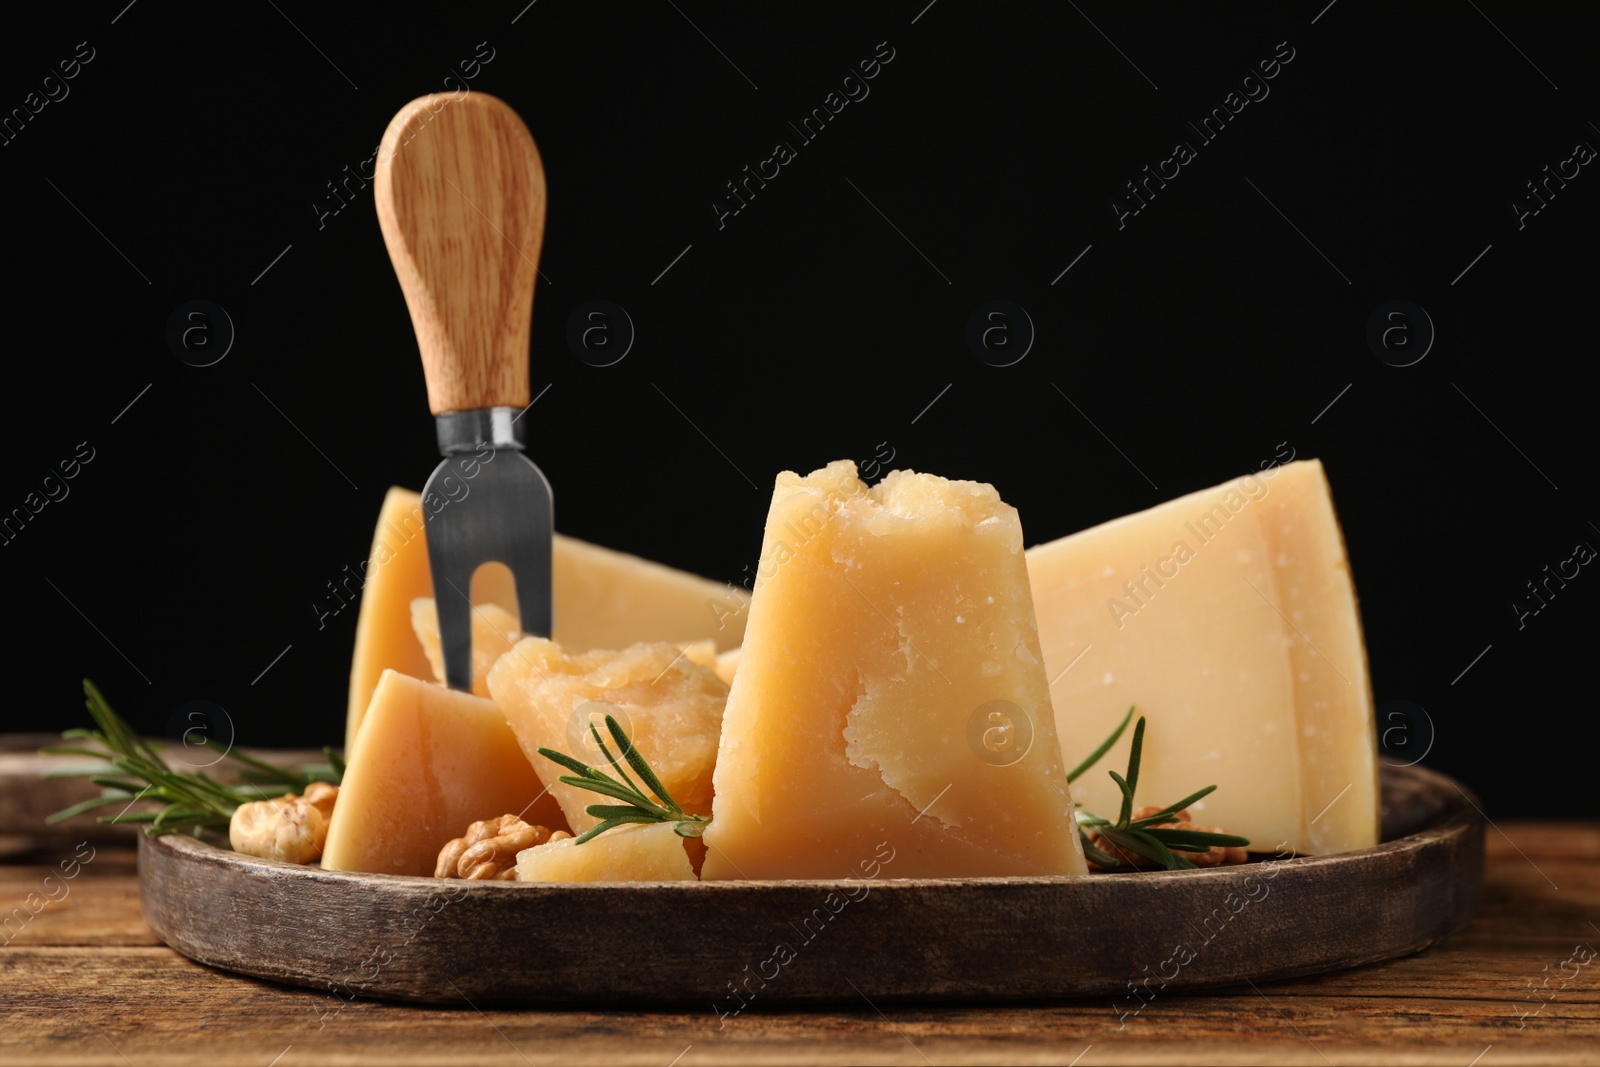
(461, 198)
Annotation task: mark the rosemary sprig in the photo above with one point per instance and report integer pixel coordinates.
(1144, 837)
(132, 769)
(1105, 746)
(637, 807)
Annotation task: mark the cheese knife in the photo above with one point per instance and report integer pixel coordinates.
(461, 200)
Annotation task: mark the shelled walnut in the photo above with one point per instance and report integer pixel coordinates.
(292, 828)
(489, 849)
(1215, 856)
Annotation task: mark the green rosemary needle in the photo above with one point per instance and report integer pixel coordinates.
(1144, 837)
(637, 807)
(131, 769)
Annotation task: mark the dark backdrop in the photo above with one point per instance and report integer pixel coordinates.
(189, 159)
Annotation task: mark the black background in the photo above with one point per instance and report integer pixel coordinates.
(1199, 336)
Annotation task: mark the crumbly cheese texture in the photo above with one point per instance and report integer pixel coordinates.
(494, 633)
(1228, 617)
(430, 762)
(887, 622)
(669, 704)
(650, 853)
(601, 599)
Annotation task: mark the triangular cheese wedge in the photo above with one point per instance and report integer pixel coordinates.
(430, 762)
(602, 599)
(890, 693)
(1229, 619)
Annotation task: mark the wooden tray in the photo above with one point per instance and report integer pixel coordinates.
(425, 939)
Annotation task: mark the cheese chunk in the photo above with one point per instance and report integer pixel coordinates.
(1229, 619)
(396, 573)
(609, 599)
(668, 704)
(650, 853)
(601, 599)
(701, 652)
(494, 631)
(890, 690)
(727, 665)
(429, 763)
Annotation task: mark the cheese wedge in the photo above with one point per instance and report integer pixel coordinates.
(602, 599)
(727, 665)
(890, 690)
(667, 703)
(652, 853)
(610, 599)
(494, 632)
(396, 573)
(701, 652)
(429, 763)
(1229, 619)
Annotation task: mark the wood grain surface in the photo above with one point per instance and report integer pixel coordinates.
(85, 981)
(723, 944)
(461, 200)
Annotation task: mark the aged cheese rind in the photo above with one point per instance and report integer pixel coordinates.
(670, 705)
(1333, 690)
(885, 620)
(601, 598)
(1228, 618)
(430, 762)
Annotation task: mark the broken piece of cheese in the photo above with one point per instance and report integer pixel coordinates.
(652, 853)
(670, 705)
(494, 633)
(887, 623)
(602, 599)
(1229, 619)
(431, 761)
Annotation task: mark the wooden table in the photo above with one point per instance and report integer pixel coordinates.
(83, 981)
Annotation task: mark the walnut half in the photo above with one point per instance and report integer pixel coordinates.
(489, 849)
(291, 828)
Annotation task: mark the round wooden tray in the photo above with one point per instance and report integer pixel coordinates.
(727, 944)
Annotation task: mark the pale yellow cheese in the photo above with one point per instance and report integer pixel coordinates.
(494, 631)
(610, 599)
(701, 652)
(667, 703)
(727, 665)
(1229, 618)
(430, 762)
(651, 853)
(888, 625)
(601, 599)
(395, 573)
